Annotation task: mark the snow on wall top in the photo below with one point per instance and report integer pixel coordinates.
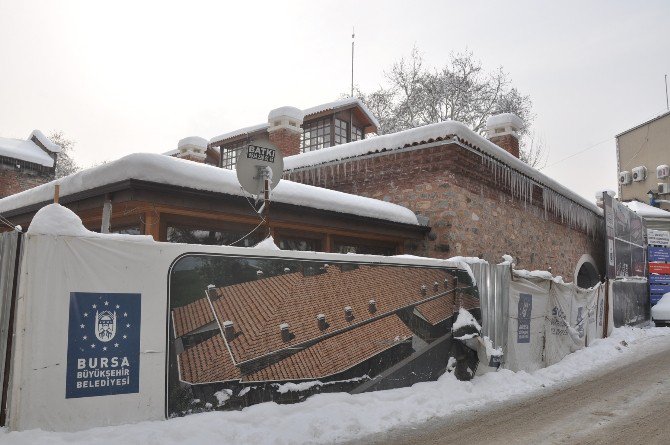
(646, 211)
(28, 150)
(425, 134)
(239, 132)
(162, 169)
(343, 103)
(54, 219)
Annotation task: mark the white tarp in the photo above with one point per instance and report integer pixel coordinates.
(525, 343)
(129, 277)
(548, 319)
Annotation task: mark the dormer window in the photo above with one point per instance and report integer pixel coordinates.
(334, 129)
(316, 134)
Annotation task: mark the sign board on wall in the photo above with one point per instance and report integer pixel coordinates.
(524, 316)
(626, 247)
(103, 354)
(658, 238)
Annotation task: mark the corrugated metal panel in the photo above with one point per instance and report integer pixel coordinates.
(8, 242)
(493, 285)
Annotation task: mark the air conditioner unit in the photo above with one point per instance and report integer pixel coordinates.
(663, 189)
(624, 178)
(662, 171)
(639, 174)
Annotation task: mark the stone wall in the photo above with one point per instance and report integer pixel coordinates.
(469, 211)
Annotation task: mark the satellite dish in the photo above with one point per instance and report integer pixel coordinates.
(256, 161)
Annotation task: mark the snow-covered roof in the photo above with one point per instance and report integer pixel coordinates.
(306, 112)
(240, 132)
(343, 103)
(29, 151)
(426, 134)
(162, 169)
(646, 211)
(52, 147)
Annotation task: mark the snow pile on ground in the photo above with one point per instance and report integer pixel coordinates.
(54, 219)
(162, 169)
(327, 418)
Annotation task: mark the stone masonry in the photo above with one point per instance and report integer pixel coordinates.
(469, 212)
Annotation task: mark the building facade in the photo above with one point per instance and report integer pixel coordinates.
(643, 162)
(473, 192)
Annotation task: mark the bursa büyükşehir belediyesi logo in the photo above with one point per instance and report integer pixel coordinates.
(103, 354)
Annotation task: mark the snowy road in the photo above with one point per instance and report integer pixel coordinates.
(579, 400)
(628, 405)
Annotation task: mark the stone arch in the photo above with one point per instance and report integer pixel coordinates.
(586, 272)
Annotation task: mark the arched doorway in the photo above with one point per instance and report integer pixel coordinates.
(586, 272)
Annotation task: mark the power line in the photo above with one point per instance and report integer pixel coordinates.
(577, 153)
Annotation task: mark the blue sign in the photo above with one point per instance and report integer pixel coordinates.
(103, 348)
(659, 254)
(659, 279)
(523, 317)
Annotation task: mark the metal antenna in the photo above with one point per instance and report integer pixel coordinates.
(667, 104)
(353, 34)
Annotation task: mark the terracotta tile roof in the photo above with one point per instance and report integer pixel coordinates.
(257, 308)
(192, 316)
(207, 362)
(210, 361)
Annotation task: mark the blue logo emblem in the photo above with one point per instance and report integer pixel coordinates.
(103, 354)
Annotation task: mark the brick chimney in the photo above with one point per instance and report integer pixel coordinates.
(503, 130)
(285, 130)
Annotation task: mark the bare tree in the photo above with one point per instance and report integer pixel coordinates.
(533, 151)
(65, 165)
(461, 90)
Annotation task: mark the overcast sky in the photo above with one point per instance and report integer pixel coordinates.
(122, 77)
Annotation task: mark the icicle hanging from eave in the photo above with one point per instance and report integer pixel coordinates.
(571, 213)
(521, 187)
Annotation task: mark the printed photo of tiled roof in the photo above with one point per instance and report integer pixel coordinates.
(260, 309)
(210, 361)
(312, 325)
(192, 317)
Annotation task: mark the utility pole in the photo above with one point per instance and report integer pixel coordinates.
(353, 34)
(667, 104)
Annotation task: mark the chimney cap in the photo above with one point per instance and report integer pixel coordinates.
(192, 141)
(503, 119)
(284, 326)
(288, 112)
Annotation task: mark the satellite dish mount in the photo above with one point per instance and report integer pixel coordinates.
(259, 168)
